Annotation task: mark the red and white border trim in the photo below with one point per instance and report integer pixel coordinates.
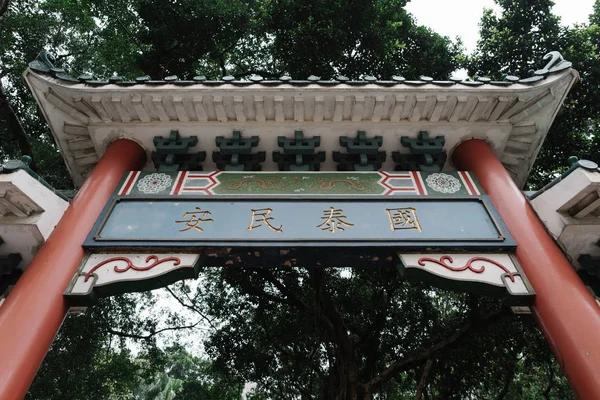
(469, 183)
(129, 182)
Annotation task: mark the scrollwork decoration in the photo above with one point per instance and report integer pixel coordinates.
(446, 260)
(153, 260)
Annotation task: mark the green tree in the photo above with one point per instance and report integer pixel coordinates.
(85, 362)
(185, 38)
(515, 43)
(353, 333)
(294, 331)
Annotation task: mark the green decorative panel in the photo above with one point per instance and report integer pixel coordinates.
(299, 153)
(194, 183)
(426, 154)
(236, 153)
(172, 153)
(362, 153)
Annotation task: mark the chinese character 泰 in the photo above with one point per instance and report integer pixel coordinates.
(262, 215)
(194, 219)
(403, 218)
(334, 219)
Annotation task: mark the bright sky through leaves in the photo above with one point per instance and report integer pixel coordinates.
(461, 17)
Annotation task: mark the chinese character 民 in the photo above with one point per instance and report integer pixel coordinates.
(334, 219)
(403, 218)
(194, 219)
(262, 215)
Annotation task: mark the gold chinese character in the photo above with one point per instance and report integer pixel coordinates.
(403, 218)
(262, 215)
(195, 219)
(334, 219)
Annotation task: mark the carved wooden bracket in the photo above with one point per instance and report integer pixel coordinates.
(490, 274)
(102, 274)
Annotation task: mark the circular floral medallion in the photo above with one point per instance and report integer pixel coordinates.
(443, 183)
(154, 183)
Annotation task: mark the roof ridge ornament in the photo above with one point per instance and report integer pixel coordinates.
(554, 63)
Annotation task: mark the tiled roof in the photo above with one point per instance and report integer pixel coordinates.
(555, 63)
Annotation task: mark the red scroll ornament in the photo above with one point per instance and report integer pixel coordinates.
(469, 265)
(153, 259)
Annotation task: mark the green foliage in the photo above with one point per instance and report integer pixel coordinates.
(185, 38)
(323, 38)
(83, 363)
(353, 38)
(295, 332)
(514, 43)
(327, 333)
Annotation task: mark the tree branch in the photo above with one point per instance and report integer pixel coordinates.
(410, 362)
(508, 378)
(253, 289)
(551, 384)
(191, 307)
(423, 380)
(222, 65)
(348, 375)
(284, 290)
(152, 334)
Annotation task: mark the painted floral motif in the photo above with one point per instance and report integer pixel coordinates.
(443, 183)
(154, 183)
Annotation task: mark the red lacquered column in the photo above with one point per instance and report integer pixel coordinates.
(33, 312)
(566, 312)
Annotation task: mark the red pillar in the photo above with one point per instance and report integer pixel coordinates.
(33, 312)
(566, 312)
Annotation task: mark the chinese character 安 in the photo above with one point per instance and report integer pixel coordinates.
(194, 219)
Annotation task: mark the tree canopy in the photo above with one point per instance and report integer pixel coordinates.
(514, 43)
(294, 331)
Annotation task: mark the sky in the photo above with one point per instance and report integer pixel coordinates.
(454, 18)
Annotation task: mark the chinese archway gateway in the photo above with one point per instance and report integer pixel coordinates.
(422, 175)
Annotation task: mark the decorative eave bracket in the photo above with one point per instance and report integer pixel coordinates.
(102, 275)
(494, 274)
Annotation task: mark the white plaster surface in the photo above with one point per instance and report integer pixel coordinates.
(576, 236)
(490, 273)
(38, 209)
(85, 119)
(106, 274)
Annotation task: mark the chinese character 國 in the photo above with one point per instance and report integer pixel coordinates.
(403, 218)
